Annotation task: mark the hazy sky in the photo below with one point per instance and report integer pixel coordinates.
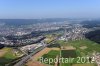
(49, 9)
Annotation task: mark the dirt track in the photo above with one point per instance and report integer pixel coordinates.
(2, 53)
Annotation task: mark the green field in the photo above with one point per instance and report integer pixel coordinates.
(83, 47)
(7, 57)
(91, 46)
(88, 64)
(68, 54)
(52, 54)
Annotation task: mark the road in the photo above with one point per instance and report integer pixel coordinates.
(25, 58)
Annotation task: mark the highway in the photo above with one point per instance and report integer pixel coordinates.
(25, 58)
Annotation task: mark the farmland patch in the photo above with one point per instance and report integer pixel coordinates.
(68, 53)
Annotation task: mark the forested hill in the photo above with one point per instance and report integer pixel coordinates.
(94, 36)
(18, 22)
(91, 23)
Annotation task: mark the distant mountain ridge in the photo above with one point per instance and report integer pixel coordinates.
(18, 22)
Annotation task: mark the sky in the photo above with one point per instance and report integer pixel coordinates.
(30, 9)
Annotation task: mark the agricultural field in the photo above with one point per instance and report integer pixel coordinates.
(71, 56)
(86, 47)
(73, 49)
(68, 54)
(65, 64)
(62, 43)
(88, 64)
(83, 48)
(7, 57)
(52, 54)
(50, 37)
